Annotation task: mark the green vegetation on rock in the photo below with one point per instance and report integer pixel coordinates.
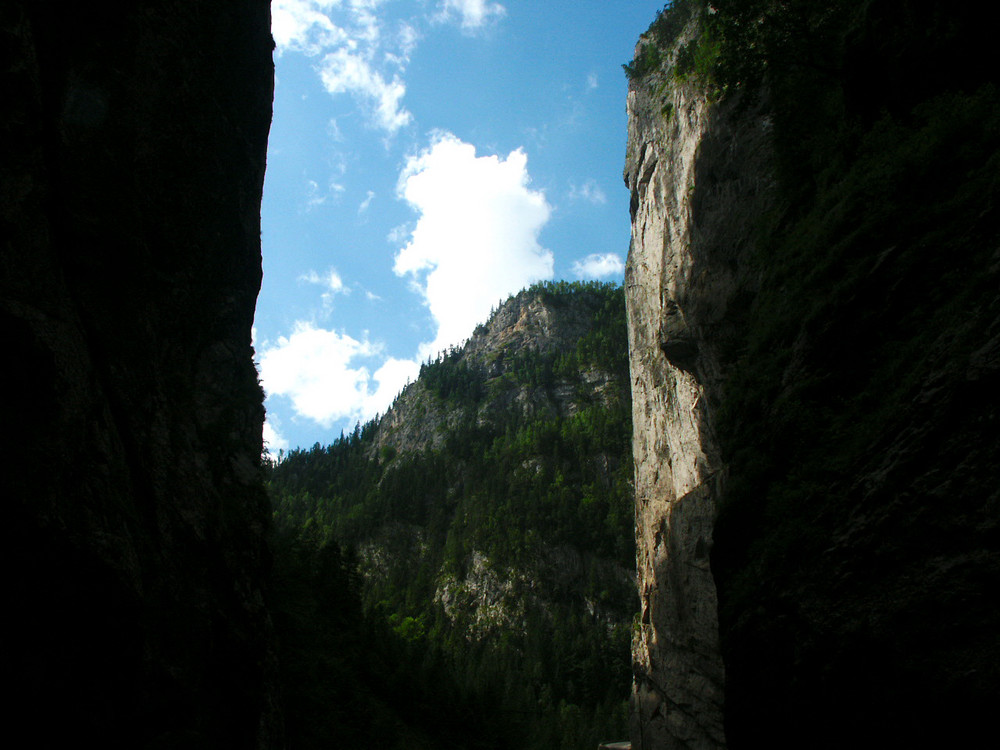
(663, 44)
(489, 515)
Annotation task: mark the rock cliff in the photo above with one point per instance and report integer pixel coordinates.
(698, 177)
(133, 140)
(813, 311)
(533, 324)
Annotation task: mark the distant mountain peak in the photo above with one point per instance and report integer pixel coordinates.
(548, 349)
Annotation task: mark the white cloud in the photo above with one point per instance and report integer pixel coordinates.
(273, 440)
(357, 57)
(319, 372)
(313, 195)
(391, 378)
(305, 25)
(346, 70)
(472, 14)
(331, 282)
(397, 235)
(332, 286)
(476, 240)
(333, 130)
(312, 367)
(317, 197)
(590, 191)
(369, 197)
(597, 266)
(591, 81)
(360, 54)
(408, 37)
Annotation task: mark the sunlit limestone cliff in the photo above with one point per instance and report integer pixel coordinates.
(813, 326)
(539, 328)
(697, 175)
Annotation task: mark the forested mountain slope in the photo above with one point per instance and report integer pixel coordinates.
(490, 516)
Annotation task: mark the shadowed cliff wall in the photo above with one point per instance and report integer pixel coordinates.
(814, 312)
(133, 139)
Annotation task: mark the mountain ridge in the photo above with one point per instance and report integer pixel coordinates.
(523, 323)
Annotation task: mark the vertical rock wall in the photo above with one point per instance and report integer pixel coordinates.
(813, 362)
(133, 140)
(697, 176)
(679, 674)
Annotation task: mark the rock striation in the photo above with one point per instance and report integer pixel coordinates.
(133, 142)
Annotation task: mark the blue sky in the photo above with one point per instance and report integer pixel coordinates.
(427, 159)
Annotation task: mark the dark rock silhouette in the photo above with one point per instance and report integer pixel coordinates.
(134, 139)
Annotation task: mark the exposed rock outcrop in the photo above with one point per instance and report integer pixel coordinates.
(133, 141)
(491, 512)
(532, 321)
(698, 177)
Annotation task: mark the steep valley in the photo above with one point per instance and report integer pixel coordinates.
(768, 464)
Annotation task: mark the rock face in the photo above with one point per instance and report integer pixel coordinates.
(697, 175)
(815, 454)
(133, 141)
(531, 322)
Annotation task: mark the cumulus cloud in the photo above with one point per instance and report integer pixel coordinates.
(597, 266)
(472, 14)
(476, 238)
(305, 25)
(391, 377)
(590, 192)
(323, 374)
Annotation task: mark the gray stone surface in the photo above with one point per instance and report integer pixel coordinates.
(697, 177)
